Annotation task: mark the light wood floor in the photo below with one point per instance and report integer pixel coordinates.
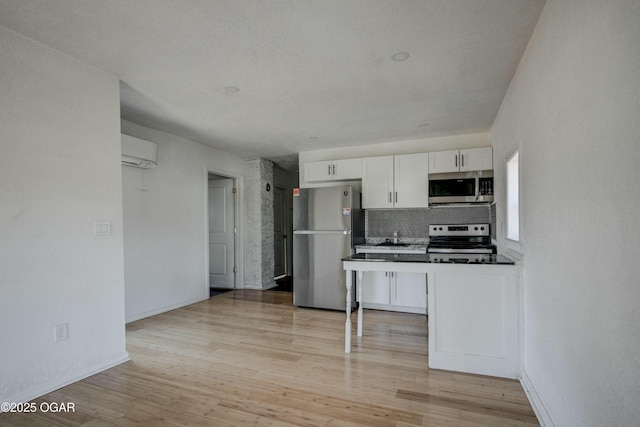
(250, 358)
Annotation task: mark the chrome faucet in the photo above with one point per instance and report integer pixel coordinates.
(395, 237)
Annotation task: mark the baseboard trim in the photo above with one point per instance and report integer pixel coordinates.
(264, 287)
(41, 390)
(164, 309)
(536, 403)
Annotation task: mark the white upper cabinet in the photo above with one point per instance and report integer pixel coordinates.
(347, 169)
(377, 182)
(395, 181)
(411, 175)
(317, 171)
(473, 159)
(333, 170)
(476, 159)
(444, 161)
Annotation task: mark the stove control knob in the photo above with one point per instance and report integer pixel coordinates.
(481, 228)
(476, 228)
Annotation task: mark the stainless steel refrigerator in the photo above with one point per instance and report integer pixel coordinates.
(327, 224)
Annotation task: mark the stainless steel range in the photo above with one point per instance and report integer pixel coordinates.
(460, 243)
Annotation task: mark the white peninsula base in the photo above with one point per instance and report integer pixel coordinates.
(474, 319)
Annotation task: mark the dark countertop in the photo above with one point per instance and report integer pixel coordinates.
(422, 258)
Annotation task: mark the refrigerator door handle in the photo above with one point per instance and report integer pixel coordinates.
(322, 232)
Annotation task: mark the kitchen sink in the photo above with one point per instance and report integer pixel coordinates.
(392, 244)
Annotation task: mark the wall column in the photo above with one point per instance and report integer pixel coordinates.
(259, 255)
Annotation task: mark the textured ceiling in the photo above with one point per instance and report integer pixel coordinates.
(311, 74)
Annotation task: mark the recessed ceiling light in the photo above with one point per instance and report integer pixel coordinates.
(400, 56)
(423, 125)
(232, 89)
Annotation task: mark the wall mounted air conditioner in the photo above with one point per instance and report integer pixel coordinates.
(138, 153)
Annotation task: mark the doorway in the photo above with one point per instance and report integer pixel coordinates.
(282, 229)
(279, 232)
(221, 203)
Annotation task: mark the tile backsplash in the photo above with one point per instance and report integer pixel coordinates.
(412, 224)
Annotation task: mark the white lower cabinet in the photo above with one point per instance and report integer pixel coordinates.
(409, 290)
(377, 289)
(394, 291)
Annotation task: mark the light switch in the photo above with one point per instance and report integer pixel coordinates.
(102, 228)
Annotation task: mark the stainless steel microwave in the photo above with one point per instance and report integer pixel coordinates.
(461, 187)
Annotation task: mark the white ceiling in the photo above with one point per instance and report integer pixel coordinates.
(311, 74)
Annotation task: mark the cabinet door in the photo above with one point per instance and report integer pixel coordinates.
(346, 169)
(409, 290)
(411, 173)
(317, 171)
(444, 161)
(476, 159)
(377, 182)
(376, 287)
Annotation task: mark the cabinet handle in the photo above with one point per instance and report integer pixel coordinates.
(389, 196)
(462, 160)
(396, 197)
(456, 160)
(386, 274)
(334, 169)
(477, 188)
(328, 169)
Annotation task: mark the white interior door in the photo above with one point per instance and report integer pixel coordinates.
(221, 233)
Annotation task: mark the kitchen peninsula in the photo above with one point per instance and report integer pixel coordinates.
(474, 319)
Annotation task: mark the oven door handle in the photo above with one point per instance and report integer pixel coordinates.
(477, 188)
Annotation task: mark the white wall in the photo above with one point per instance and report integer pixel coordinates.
(165, 222)
(573, 109)
(59, 172)
(389, 148)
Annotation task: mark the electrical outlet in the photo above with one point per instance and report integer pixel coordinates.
(62, 332)
(102, 228)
